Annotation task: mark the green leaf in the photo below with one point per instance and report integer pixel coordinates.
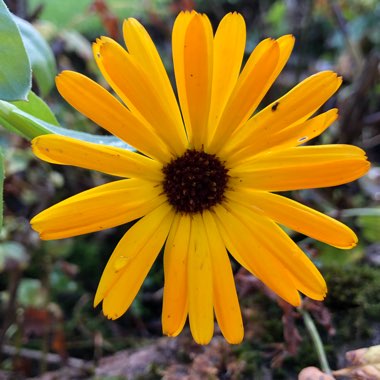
(37, 107)
(15, 123)
(15, 71)
(40, 55)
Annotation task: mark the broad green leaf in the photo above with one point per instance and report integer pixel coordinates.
(1, 187)
(21, 126)
(37, 107)
(15, 71)
(40, 55)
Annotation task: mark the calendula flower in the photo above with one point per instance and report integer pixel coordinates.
(203, 180)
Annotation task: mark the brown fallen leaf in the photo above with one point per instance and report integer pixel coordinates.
(364, 364)
(314, 373)
(366, 372)
(367, 355)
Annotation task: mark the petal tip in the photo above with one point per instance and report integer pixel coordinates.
(34, 221)
(98, 298)
(44, 236)
(235, 341)
(287, 37)
(202, 341)
(171, 334)
(130, 20)
(237, 337)
(350, 245)
(110, 315)
(59, 77)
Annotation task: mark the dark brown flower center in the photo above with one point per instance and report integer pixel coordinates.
(194, 182)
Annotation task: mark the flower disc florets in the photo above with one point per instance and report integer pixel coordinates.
(195, 181)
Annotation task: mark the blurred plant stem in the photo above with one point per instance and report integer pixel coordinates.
(317, 342)
(355, 53)
(45, 280)
(10, 310)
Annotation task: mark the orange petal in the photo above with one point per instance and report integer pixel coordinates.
(297, 217)
(64, 150)
(296, 134)
(248, 250)
(102, 108)
(175, 299)
(302, 168)
(252, 85)
(131, 260)
(137, 89)
(282, 253)
(294, 107)
(141, 46)
(201, 315)
(193, 65)
(97, 209)
(229, 42)
(180, 26)
(226, 303)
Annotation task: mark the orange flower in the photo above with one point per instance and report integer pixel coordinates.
(204, 176)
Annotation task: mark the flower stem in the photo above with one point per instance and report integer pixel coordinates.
(315, 337)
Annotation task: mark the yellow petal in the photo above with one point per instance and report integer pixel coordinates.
(197, 67)
(97, 209)
(226, 303)
(141, 46)
(175, 307)
(97, 56)
(292, 136)
(252, 85)
(286, 44)
(136, 88)
(278, 250)
(248, 250)
(107, 159)
(178, 44)
(102, 108)
(297, 217)
(302, 168)
(229, 42)
(294, 107)
(138, 248)
(201, 315)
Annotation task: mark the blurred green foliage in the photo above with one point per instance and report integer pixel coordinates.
(40, 56)
(15, 71)
(76, 15)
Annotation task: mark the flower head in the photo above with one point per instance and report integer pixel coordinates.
(204, 178)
